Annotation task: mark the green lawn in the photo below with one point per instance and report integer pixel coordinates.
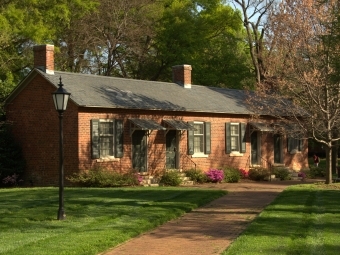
(304, 219)
(96, 219)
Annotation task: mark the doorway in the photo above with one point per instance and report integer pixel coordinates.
(139, 150)
(277, 149)
(171, 150)
(254, 148)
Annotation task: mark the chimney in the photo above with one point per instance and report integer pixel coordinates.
(44, 58)
(181, 74)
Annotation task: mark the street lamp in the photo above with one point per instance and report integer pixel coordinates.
(60, 99)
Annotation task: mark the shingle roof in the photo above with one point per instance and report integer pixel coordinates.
(111, 92)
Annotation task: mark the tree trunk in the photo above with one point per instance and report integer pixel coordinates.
(329, 164)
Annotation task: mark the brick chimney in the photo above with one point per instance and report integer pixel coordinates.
(181, 74)
(44, 58)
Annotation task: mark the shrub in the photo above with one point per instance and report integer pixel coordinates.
(100, 177)
(282, 173)
(12, 161)
(258, 174)
(316, 172)
(243, 173)
(302, 175)
(171, 178)
(215, 175)
(231, 175)
(196, 176)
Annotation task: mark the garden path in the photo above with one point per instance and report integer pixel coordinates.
(208, 230)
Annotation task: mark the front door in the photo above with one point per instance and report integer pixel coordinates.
(277, 149)
(254, 148)
(171, 150)
(139, 150)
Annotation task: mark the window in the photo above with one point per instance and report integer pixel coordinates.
(294, 145)
(198, 138)
(235, 138)
(107, 138)
(199, 142)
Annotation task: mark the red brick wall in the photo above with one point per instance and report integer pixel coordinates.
(36, 127)
(156, 142)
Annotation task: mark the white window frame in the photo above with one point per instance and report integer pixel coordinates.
(201, 135)
(236, 137)
(112, 135)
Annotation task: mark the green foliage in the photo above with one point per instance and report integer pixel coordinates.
(196, 176)
(315, 172)
(171, 178)
(282, 173)
(100, 177)
(258, 174)
(12, 161)
(231, 175)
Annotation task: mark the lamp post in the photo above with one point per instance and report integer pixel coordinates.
(60, 99)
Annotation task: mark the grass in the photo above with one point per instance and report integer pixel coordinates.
(96, 219)
(304, 219)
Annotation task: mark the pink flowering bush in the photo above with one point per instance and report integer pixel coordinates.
(302, 174)
(12, 180)
(215, 175)
(243, 173)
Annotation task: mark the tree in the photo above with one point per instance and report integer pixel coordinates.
(306, 66)
(24, 23)
(254, 17)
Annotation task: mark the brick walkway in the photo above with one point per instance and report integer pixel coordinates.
(209, 229)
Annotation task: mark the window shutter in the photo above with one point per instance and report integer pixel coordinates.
(207, 137)
(119, 135)
(227, 138)
(289, 144)
(191, 140)
(300, 144)
(243, 137)
(95, 139)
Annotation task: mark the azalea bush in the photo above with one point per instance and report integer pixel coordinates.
(12, 180)
(243, 173)
(215, 175)
(302, 175)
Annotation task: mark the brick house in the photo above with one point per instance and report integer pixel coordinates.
(145, 126)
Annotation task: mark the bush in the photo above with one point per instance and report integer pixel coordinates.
(100, 177)
(315, 172)
(171, 178)
(231, 175)
(258, 174)
(215, 175)
(196, 176)
(282, 173)
(12, 161)
(243, 173)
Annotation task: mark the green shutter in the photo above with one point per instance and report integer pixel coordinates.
(119, 135)
(207, 137)
(300, 144)
(227, 138)
(243, 137)
(289, 144)
(95, 139)
(191, 140)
